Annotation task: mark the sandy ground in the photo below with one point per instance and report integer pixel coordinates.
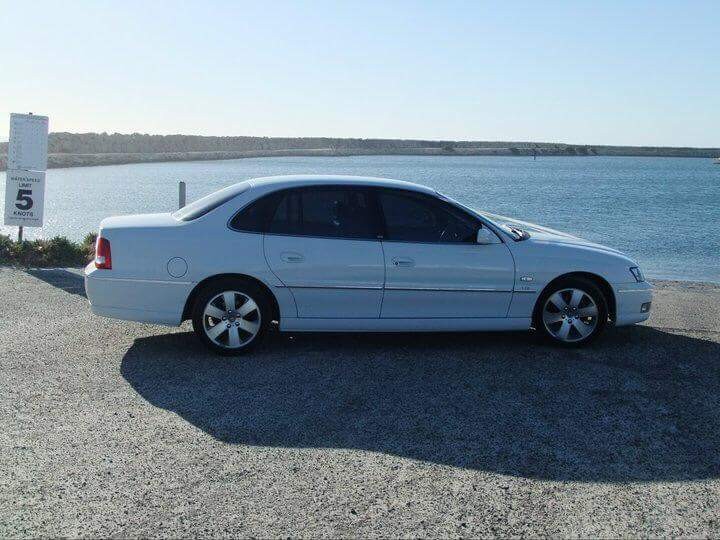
(119, 429)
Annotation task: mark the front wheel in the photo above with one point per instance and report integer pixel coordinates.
(571, 313)
(231, 317)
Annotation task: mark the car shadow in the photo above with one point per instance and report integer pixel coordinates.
(640, 405)
(68, 281)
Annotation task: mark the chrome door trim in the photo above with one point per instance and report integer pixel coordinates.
(361, 287)
(448, 289)
(372, 288)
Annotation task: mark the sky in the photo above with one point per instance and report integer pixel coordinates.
(611, 72)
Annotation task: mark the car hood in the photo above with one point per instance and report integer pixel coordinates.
(540, 234)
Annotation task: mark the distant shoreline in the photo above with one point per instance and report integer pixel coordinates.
(93, 149)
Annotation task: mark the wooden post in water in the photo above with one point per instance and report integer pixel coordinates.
(20, 233)
(181, 194)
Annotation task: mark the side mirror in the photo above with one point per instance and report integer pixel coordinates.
(486, 236)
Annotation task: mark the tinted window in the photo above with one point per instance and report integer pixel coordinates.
(417, 218)
(256, 216)
(328, 212)
(286, 218)
(210, 202)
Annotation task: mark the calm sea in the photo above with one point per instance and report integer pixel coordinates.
(665, 212)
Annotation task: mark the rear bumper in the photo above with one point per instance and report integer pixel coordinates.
(148, 301)
(630, 300)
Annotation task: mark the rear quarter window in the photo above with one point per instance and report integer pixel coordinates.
(210, 202)
(255, 217)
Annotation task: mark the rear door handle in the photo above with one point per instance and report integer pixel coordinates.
(291, 257)
(403, 261)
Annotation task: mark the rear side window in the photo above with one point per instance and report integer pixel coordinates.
(286, 219)
(340, 213)
(411, 217)
(334, 212)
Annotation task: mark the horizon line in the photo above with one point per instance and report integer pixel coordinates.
(5, 140)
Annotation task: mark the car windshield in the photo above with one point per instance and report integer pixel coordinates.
(202, 206)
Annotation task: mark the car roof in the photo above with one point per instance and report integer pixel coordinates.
(299, 180)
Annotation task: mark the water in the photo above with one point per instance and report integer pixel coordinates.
(664, 212)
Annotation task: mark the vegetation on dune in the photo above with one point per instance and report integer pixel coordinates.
(87, 149)
(47, 253)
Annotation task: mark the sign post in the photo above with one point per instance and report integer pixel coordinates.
(25, 177)
(181, 194)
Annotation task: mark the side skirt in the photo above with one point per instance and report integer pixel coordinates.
(403, 325)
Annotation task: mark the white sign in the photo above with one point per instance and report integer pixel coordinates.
(24, 198)
(27, 149)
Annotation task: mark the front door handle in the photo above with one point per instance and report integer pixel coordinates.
(403, 261)
(291, 257)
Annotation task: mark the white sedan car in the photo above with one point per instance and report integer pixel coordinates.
(329, 254)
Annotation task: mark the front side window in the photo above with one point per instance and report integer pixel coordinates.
(413, 217)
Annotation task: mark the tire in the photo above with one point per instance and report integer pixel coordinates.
(558, 316)
(231, 330)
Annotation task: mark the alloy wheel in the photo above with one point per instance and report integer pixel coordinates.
(231, 319)
(570, 315)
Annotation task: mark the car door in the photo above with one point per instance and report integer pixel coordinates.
(322, 243)
(434, 266)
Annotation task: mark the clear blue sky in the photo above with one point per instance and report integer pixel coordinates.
(610, 72)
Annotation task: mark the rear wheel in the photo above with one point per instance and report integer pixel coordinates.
(572, 313)
(231, 316)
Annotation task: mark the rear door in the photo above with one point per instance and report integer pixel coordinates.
(434, 266)
(322, 242)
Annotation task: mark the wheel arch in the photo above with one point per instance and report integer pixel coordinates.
(599, 281)
(187, 310)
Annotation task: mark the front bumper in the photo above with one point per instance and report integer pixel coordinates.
(633, 302)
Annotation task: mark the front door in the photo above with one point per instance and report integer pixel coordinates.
(322, 243)
(434, 266)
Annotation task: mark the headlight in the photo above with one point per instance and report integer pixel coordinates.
(637, 274)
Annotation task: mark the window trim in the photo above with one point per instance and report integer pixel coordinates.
(378, 214)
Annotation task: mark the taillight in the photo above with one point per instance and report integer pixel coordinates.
(103, 259)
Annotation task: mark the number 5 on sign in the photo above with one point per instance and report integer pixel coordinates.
(24, 194)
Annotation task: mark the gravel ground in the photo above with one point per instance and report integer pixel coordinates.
(121, 429)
